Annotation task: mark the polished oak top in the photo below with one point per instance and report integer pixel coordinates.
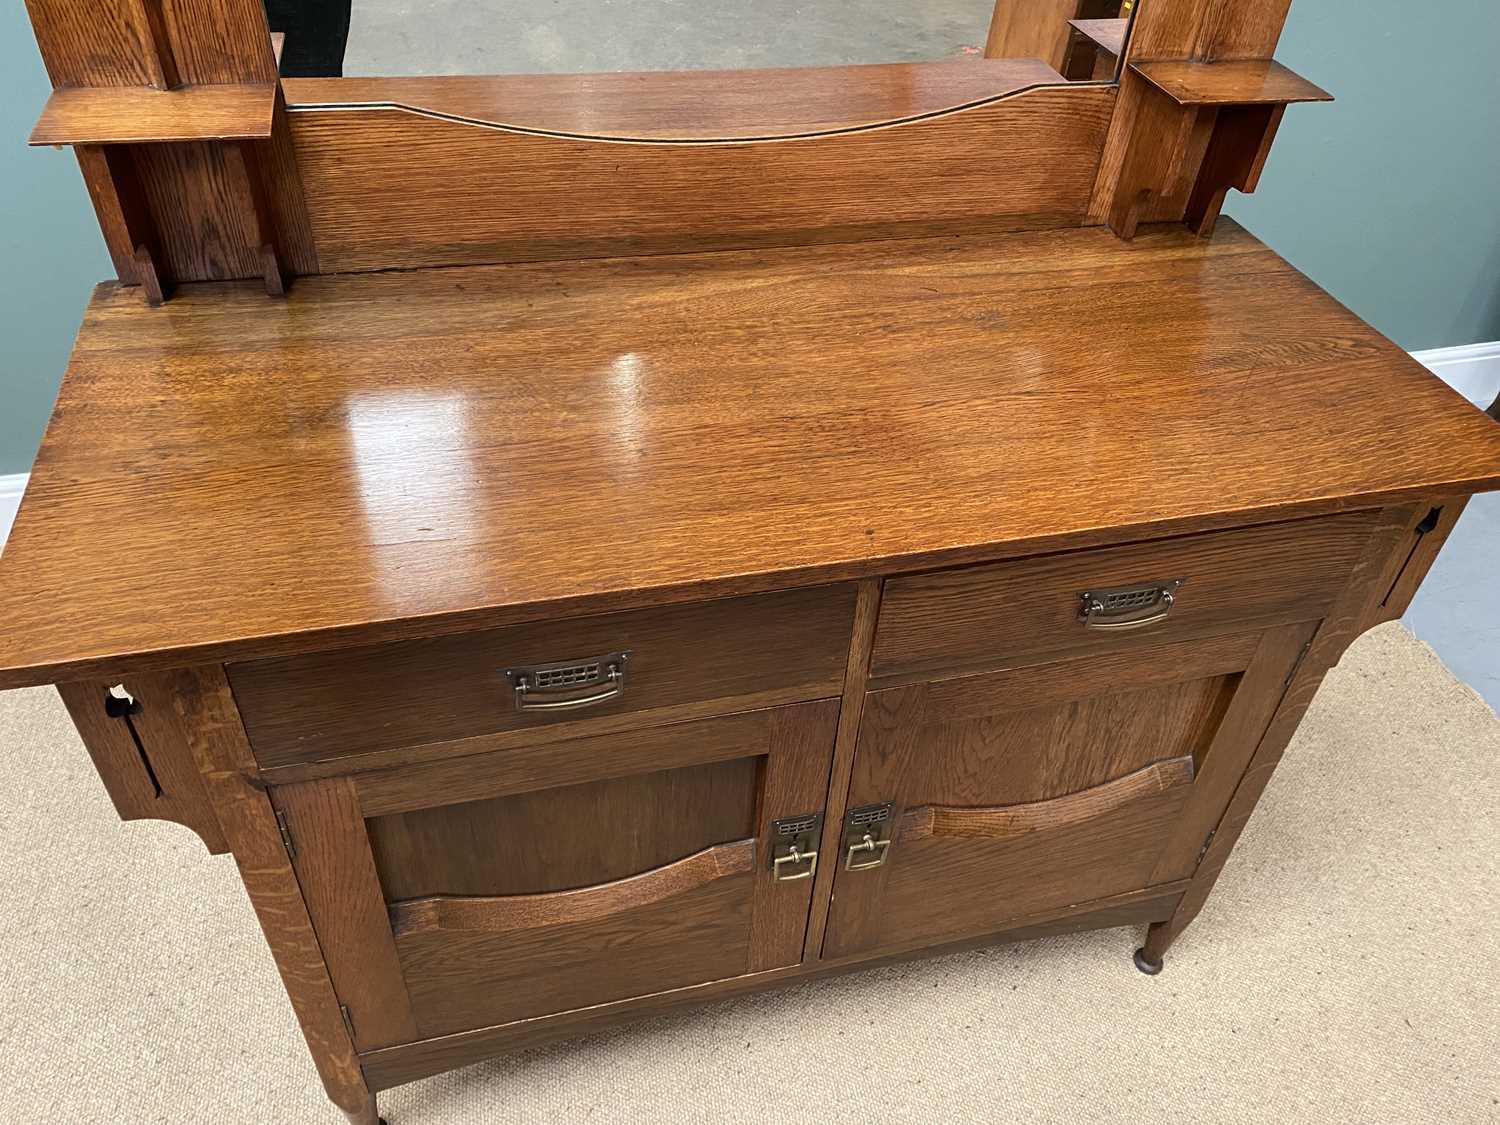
(403, 453)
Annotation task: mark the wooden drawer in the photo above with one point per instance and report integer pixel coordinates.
(684, 661)
(1002, 614)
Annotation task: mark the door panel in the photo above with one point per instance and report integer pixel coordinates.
(572, 836)
(472, 893)
(1020, 792)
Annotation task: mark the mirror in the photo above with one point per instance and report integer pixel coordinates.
(796, 65)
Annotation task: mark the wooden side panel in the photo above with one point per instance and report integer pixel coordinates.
(374, 203)
(1352, 613)
(206, 706)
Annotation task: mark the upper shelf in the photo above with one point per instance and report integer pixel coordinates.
(1246, 82)
(425, 451)
(690, 105)
(1108, 35)
(104, 115)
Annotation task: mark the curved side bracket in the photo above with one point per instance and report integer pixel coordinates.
(508, 913)
(140, 748)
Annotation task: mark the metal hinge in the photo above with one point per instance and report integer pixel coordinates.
(1296, 664)
(348, 1021)
(1207, 840)
(286, 834)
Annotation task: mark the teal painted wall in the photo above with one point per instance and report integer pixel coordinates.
(1390, 197)
(51, 253)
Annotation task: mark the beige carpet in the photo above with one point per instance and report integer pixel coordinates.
(1348, 970)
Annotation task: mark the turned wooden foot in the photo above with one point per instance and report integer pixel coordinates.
(1148, 958)
(365, 1114)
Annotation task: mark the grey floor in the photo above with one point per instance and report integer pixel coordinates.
(1457, 610)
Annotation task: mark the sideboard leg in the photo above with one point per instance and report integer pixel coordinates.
(365, 1114)
(1147, 961)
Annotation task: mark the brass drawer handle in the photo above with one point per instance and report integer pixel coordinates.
(876, 848)
(1128, 607)
(556, 687)
(794, 859)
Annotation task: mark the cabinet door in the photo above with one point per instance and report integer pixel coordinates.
(987, 801)
(465, 893)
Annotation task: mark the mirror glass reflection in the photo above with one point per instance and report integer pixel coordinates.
(911, 55)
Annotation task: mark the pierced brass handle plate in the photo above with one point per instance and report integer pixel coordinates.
(569, 685)
(1128, 607)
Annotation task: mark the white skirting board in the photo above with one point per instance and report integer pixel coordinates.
(11, 488)
(1472, 370)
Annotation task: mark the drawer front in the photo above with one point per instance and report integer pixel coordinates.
(1020, 611)
(612, 671)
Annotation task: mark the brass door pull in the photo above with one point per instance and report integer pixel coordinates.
(1128, 607)
(877, 848)
(794, 859)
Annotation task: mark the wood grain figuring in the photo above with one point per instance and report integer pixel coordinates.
(112, 115)
(1246, 82)
(95, 43)
(575, 761)
(145, 763)
(794, 783)
(567, 836)
(398, 1065)
(352, 466)
(205, 705)
(696, 105)
(1173, 30)
(1023, 162)
(198, 207)
(851, 706)
(1031, 29)
(1430, 525)
(1011, 822)
(1048, 735)
(320, 706)
(336, 871)
(1107, 34)
(1220, 764)
(1237, 152)
(1023, 609)
(585, 904)
(221, 41)
(1233, 29)
(460, 981)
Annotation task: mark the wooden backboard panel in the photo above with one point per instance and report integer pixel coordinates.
(388, 187)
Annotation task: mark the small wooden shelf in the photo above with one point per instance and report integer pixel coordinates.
(107, 115)
(1107, 35)
(1248, 82)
